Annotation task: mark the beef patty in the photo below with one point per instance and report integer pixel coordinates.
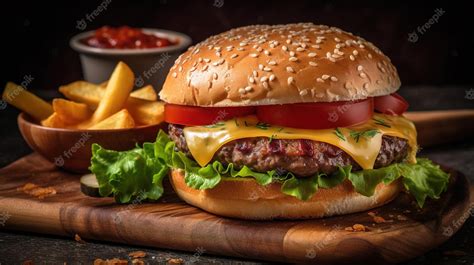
(301, 157)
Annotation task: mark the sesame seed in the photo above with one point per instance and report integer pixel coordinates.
(255, 73)
(320, 80)
(207, 60)
(303, 92)
(267, 69)
(241, 49)
(214, 76)
(351, 57)
(313, 63)
(311, 54)
(227, 89)
(288, 41)
(175, 74)
(192, 69)
(242, 44)
(265, 85)
(260, 66)
(264, 78)
(293, 59)
(361, 46)
(284, 48)
(199, 60)
(248, 88)
(272, 45)
(195, 63)
(252, 80)
(299, 49)
(333, 78)
(180, 69)
(325, 77)
(271, 78)
(360, 68)
(204, 68)
(336, 39)
(266, 52)
(363, 75)
(290, 69)
(292, 53)
(332, 59)
(217, 49)
(290, 80)
(355, 52)
(369, 55)
(366, 85)
(328, 55)
(272, 63)
(346, 85)
(254, 55)
(218, 54)
(235, 55)
(242, 90)
(259, 49)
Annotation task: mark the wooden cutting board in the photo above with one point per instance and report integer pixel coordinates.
(408, 232)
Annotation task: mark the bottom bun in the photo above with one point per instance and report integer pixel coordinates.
(244, 198)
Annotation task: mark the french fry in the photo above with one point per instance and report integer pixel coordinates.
(146, 112)
(26, 101)
(54, 121)
(116, 94)
(119, 120)
(104, 84)
(146, 93)
(83, 92)
(70, 111)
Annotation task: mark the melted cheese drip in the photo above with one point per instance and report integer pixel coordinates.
(204, 141)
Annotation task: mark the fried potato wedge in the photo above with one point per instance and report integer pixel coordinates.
(54, 121)
(146, 93)
(27, 102)
(70, 111)
(146, 112)
(116, 94)
(83, 92)
(119, 120)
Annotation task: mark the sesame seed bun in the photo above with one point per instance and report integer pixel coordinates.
(280, 64)
(246, 199)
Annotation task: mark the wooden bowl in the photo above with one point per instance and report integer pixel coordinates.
(71, 149)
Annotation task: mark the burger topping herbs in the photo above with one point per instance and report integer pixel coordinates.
(362, 142)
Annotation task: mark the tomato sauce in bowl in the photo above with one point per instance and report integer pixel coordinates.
(125, 38)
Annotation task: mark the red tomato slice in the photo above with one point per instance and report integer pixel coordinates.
(392, 104)
(321, 115)
(193, 116)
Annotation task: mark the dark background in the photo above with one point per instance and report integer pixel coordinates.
(35, 34)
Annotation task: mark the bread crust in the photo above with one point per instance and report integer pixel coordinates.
(246, 199)
(279, 64)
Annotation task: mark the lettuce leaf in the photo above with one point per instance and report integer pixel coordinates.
(140, 172)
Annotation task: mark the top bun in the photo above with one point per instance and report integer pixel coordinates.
(281, 64)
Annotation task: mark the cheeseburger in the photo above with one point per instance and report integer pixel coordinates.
(286, 122)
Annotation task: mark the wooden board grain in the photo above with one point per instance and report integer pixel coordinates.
(175, 225)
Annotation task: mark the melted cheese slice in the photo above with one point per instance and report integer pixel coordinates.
(204, 141)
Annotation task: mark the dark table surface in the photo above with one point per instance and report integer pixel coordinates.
(17, 247)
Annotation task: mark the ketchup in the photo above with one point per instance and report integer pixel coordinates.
(125, 38)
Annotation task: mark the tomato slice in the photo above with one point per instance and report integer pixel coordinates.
(392, 104)
(193, 116)
(321, 115)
